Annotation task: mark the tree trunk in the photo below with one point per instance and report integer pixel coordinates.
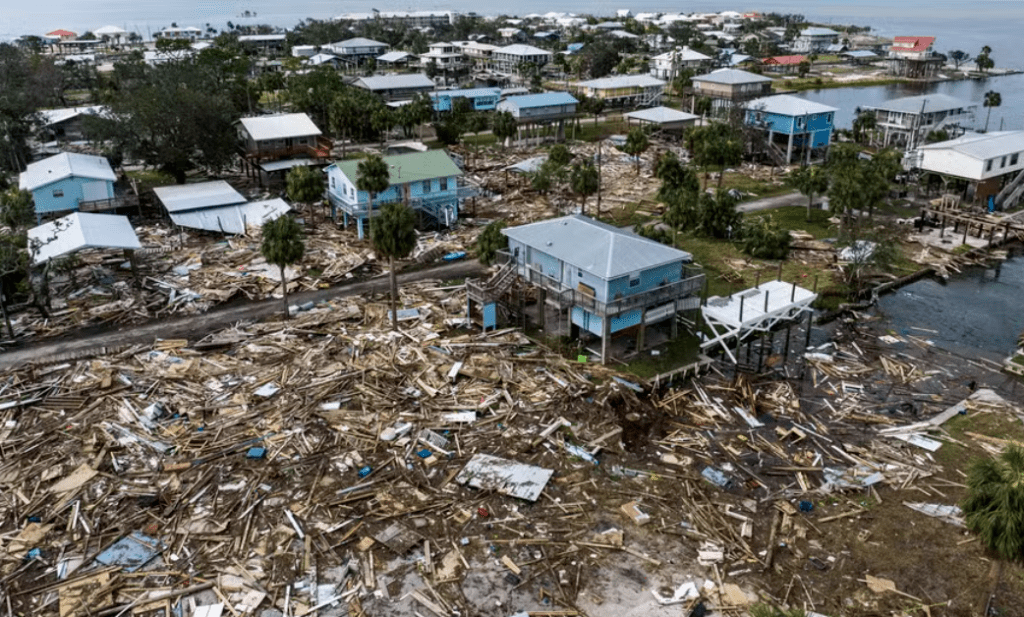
(369, 218)
(284, 291)
(583, 205)
(7, 317)
(810, 204)
(721, 176)
(987, 117)
(394, 294)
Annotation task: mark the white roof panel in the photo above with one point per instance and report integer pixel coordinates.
(731, 77)
(233, 219)
(662, 115)
(81, 230)
(522, 50)
(505, 476)
(923, 103)
(393, 82)
(185, 197)
(602, 250)
(789, 105)
(279, 126)
(65, 165)
(622, 81)
(983, 146)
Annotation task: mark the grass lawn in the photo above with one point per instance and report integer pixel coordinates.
(757, 188)
(150, 178)
(795, 218)
(816, 83)
(591, 132)
(676, 353)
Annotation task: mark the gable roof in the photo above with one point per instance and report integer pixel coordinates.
(859, 53)
(82, 230)
(394, 56)
(544, 99)
(279, 126)
(61, 32)
(789, 105)
(411, 167)
(929, 103)
(65, 165)
(599, 249)
(234, 218)
(731, 77)
(358, 42)
(56, 116)
(983, 146)
(185, 197)
(522, 50)
(683, 55)
(912, 43)
(818, 32)
(392, 82)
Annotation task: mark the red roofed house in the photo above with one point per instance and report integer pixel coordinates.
(783, 64)
(913, 56)
(64, 35)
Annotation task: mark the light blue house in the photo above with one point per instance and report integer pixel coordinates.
(609, 280)
(481, 99)
(68, 181)
(794, 125)
(427, 181)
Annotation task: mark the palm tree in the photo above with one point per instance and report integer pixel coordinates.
(373, 177)
(394, 235)
(282, 245)
(994, 507)
(992, 99)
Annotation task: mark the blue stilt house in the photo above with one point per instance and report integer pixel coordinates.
(795, 126)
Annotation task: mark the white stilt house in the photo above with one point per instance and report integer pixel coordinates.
(752, 311)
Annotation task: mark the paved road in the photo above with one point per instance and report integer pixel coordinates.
(779, 201)
(195, 327)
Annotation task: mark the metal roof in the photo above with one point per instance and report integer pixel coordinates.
(109, 31)
(411, 167)
(394, 82)
(929, 103)
(529, 165)
(357, 42)
(55, 116)
(468, 93)
(184, 197)
(916, 43)
(81, 230)
(622, 81)
(394, 56)
(544, 99)
(661, 115)
(65, 165)
(259, 38)
(731, 77)
(522, 50)
(682, 55)
(983, 146)
(271, 166)
(233, 219)
(279, 126)
(818, 32)
(859, 53)
(602, 250)
(789, 105)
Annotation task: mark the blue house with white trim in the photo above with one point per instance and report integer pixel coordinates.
(428, 182)
(69, 181)
(480, 99)
(794, 125)
(609, 280)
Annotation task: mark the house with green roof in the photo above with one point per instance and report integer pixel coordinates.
(427, 181)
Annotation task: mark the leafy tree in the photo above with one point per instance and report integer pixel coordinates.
(21, 95)
(449, 132)
(382, 121)
(559, 155)
(936, 136)
(992, 508)
(763, 238)
(593, 106)
(599, 59)
(636, 144)
(864, 124)
(584, 181)
(718, 215)
(680, 191)
(541, 180)
(305, 185)
(13, 266)
(504, 126)
(490, 241)
(984, 59)
(373, 177)
(992, 99)
(804, 67)
(702, 106)
(314, 92)
(857, 184)
(394, 236)
(16, 208)
(716, 145)
(810, 180)
(958, 57)
(282, 246)
(869, 250)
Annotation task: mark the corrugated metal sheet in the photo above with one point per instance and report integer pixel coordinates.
(661, 115)
(789, 105)
(731, 77)
(545, 99)
(279, 126)
(233, 219)
(65, 165)
(597, 248)
(81, 230)
(505, 476)
(395, 82)
(183, 197)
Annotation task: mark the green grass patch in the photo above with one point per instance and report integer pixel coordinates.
(678, 352)
(752, 188)
(812, 83)
(795, 218)
(150, 178)
(587, 131)
(486, 139)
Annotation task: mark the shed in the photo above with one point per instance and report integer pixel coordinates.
(665, 118)
(81, 230)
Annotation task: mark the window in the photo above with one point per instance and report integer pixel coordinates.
(634, 280)
(800, 122)
(332, 182)
(1002, 163)
(988, 165)
(443, 182)
(828, 118)
(58, 192)
(426, 186)
(1013, 158)
(579, 273)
